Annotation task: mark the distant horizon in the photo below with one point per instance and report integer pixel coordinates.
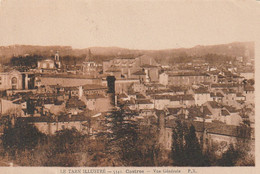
(128, 48)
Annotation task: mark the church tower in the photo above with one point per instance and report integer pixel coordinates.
(88, 56)
(57, 60)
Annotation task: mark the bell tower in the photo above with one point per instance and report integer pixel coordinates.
(57, 56)
(57, 60)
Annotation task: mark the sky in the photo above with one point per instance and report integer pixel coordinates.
(134, 24)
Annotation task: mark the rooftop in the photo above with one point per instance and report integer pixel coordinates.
(144, 101)
(214, 104)
(139, 73)
(201, 90)
(93, 87)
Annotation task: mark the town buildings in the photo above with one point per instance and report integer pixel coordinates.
(218, 102)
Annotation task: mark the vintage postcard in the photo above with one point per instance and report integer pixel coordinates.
(123, 86)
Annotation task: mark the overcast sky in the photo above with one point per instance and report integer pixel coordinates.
(128, 23)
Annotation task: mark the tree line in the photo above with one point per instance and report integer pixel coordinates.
(122, 142)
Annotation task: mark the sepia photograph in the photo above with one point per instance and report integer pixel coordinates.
(107, 83)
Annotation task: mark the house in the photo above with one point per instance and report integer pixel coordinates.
(11, 80)
(123, 97)
(175, 101)
(201, 96)
(75, 106)
(66, 80)
(230, 96)
(215, 134)
(90, 68)
(122, 66)
(188, 78)
(160, 92)
(161, 101)
(144, 104)
(215, 109)
(11, 107)
(240, 97)
(247, 74)
(228, 86)
(141, 75)
(163, 78)
(90, 89)
(97, 102)
(179, 90)
(199, 113)
(217, 96)
(138, 87)
(47, 64)
(230, 116)
(187, 99)
(249, 93)
(50, 126)
(151, 72)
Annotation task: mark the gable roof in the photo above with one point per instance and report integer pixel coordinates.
(201, 90)
(214, 104)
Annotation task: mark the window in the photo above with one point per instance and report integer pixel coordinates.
(14, 83)
(44, 65)
(14, 80)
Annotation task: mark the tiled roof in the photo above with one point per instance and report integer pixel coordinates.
(212, 128)
(173, 111)
(240, 95)
(148, 66)
(93, 87)
(122, 95)
(139, 73)
(95, 96)
(223, 85)
(206, 110)
(144, 101)
(113, 69)
(177, 88)
(161, 97)
(201, 90)
(231, 109)
(188, 74)
(75, 103)
(218, 94)
(70, 88)
(224, 112)
(214, 104)
(140, 96)
(249, 88)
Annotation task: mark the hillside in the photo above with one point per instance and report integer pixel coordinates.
(102, 53)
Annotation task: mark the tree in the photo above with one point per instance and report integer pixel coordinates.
(20, 137)
(186, 150)
(230, 157)
(120, 137)
(148, 146)
(178, 151)
(63, 148)
(193, 149)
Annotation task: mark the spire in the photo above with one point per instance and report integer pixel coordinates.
(89, 55)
